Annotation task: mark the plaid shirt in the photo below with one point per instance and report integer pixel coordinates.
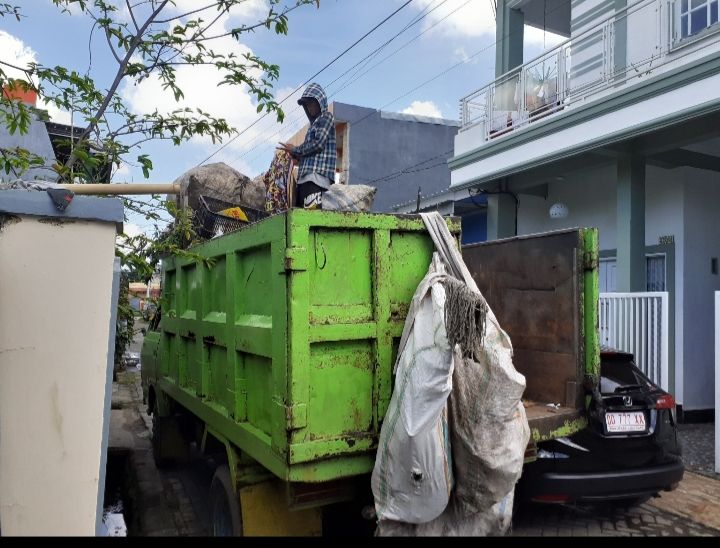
(318, 152)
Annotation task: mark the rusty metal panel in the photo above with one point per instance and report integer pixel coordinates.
(535, 285)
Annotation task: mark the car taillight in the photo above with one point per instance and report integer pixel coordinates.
(557, 499)
(666, 401)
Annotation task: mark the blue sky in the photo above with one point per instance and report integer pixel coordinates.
(453, 31)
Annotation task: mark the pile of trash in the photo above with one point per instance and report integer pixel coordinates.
(222, 183)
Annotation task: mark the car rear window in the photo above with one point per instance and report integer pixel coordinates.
(619, 372)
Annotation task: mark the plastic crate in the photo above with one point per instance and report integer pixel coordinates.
(210, 222)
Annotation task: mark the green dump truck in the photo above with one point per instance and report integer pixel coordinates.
(277, 358)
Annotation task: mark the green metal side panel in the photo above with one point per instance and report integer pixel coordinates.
(591, 301)
(285, 345)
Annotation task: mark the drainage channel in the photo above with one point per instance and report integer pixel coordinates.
(117, 519)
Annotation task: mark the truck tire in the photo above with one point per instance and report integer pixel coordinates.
(168, 444)
(225, 518)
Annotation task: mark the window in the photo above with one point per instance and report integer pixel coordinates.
(655, 272)
(697, 15)
(607, 275)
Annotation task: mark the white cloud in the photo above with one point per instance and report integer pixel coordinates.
(56, 115)
(121, 172)
(234, 103)
(471, 19)
(202, 89)
(249, 9)
(132, 230)
(423, 108)
(17, 53)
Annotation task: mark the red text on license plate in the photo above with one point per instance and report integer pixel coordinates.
(629, 421)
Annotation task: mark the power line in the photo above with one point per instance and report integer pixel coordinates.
(357, 76)
(426, 82)
(427, 11)
(405, 170)
(368, 33)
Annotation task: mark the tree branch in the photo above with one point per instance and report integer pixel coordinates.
(186, 14)
(132, 15)
(118, 78)
(112, 48)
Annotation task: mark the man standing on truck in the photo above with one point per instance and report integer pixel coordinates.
(317, 155)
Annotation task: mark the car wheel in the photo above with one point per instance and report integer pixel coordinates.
(225, 518)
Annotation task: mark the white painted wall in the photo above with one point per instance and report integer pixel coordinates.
(55, 299)
(590, 198)
(701, 241)
(664, 216)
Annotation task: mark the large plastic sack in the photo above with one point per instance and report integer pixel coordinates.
(489, 429)
(341, 197)
(454, 522)
(222, 182)
(412, 478)
(489, 426)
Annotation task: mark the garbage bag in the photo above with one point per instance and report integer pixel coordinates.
(341, 197)
(412, 478)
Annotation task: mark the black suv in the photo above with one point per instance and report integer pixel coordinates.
(629, 450)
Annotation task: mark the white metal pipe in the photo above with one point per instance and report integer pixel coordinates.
(643, 332)
(664, 340)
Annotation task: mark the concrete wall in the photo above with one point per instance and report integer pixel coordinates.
(702, 241)
(55, 309)
(36, 140)
(383, 144)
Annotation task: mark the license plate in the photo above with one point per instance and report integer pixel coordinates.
(629, 421)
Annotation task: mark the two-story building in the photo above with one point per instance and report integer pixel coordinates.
(618, 128)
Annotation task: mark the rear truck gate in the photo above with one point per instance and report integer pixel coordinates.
(543, 289)
(278, 357)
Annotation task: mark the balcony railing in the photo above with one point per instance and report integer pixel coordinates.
(628, 45)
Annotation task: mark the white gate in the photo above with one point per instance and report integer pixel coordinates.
(638, 323)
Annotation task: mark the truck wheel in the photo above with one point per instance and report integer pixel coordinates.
(168, 444)
(157, 434)
(225, 518)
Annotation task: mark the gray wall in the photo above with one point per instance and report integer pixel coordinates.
(36, 140)
(382, 144)
(702, 242)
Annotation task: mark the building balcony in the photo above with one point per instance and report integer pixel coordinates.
(639, 42)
